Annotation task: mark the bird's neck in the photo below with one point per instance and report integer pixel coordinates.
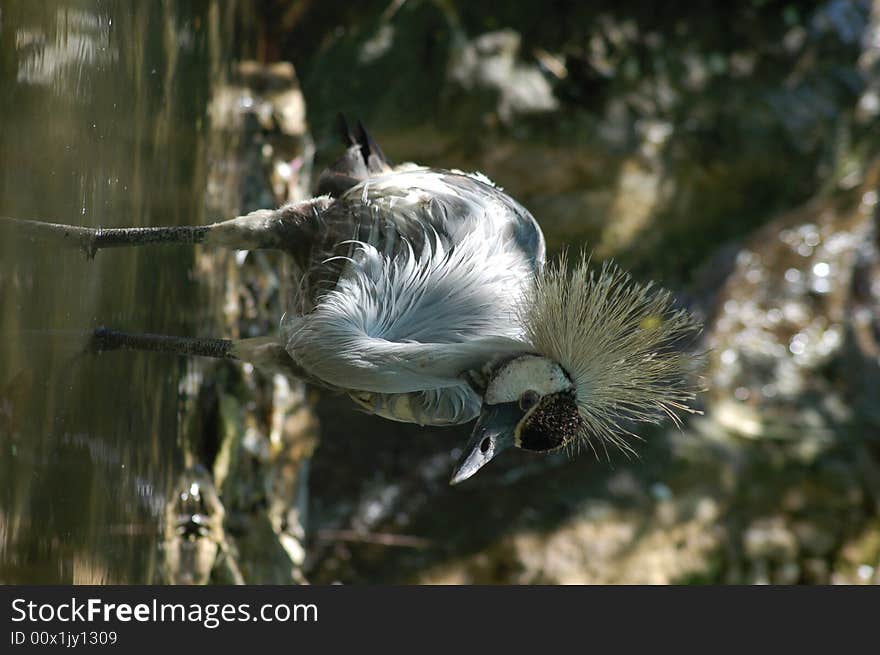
(381, 366)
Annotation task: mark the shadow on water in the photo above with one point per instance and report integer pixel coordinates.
(102, 123)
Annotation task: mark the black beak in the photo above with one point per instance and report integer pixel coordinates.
(492, 434)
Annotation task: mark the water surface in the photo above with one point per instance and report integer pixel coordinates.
(103, 122)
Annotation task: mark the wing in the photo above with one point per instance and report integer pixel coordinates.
(416, 281)
(402, 209)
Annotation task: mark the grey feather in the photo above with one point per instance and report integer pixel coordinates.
(416, 280)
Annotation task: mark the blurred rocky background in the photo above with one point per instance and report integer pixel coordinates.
(728, 151)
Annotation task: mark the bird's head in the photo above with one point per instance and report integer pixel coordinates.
(600, 352)
(529, 402)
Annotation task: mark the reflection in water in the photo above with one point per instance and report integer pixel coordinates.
(194, 539)
(77, 41)
(103, 121)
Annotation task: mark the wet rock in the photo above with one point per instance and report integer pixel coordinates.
(254, 432)
(261, 112)
(195, 541)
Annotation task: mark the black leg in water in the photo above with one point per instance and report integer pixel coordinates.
(104, 339)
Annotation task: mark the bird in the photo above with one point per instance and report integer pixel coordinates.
(425, 295)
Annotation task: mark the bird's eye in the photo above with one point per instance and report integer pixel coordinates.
(528, 399)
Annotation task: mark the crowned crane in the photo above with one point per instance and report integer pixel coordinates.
(424, 296)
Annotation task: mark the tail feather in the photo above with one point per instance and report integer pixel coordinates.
(363, 158)
(371, 151)
(345, 133)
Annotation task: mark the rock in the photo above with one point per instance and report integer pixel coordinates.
(786, 315)
(490, 66)
(770, 539)
(255, 432)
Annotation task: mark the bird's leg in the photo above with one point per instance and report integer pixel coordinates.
(103, 339)
(285, 229)
(93, 239)
(265, 353)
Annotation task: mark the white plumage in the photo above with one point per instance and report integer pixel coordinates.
(428, 292)
(429, 303)
(423, 295)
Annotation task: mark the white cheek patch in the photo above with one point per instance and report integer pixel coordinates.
(527, 372)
